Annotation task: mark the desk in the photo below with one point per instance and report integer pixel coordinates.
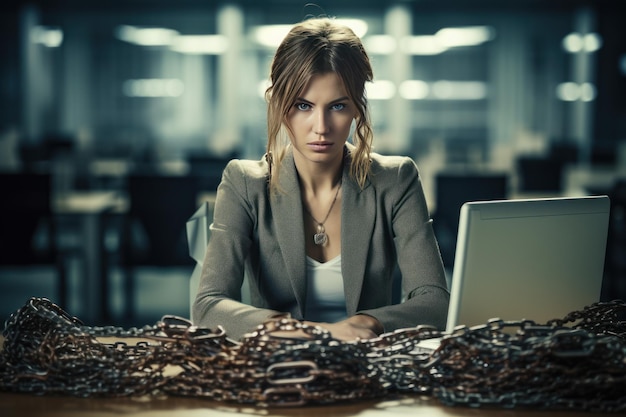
(88, 207)
(25, 405)
(585, 177)
(29, 405)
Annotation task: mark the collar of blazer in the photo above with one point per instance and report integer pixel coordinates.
(358, 214)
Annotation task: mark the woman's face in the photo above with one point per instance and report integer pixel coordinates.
(319, 121)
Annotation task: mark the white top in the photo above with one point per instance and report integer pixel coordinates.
(325, 298)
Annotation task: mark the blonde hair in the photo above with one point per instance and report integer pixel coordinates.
(313, 47)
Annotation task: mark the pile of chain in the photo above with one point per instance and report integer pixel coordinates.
(578, 362)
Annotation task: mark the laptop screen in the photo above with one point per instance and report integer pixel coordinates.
(535, 259)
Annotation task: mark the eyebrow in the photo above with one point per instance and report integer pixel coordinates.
(344, 98)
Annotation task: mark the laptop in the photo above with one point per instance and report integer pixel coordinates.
(535, 259)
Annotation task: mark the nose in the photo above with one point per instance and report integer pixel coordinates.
(322, 125)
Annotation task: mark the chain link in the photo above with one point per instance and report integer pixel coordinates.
(577, 362)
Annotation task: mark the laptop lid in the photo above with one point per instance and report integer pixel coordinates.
(535, 259)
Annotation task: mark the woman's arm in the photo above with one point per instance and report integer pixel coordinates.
(424, 284)
(219, 291)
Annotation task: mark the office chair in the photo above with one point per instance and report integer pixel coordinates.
(540, 174)
(28, 229)
(207, 169)
(452, 191)
(614, 286)
(198, 235)
(153, 232)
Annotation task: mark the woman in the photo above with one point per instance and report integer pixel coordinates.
(319, 223)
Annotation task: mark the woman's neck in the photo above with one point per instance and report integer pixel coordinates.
(322, 180)
(315, 178)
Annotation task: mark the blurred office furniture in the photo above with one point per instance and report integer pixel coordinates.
(545, 173)
(40, 155)
(28, 229)
(109, 173)
(565, 151)
(83, 216)
(615, 262)
(153, 230)
(540, 174)
(603, 154)
(453, 189)
(207, 168)
(466, 151)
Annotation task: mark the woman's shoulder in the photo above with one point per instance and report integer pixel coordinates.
(392, 168)
(247, 172)
(249, 167)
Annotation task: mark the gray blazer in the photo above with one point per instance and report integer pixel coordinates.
(385, 223)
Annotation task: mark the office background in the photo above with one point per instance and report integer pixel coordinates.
(516, 98)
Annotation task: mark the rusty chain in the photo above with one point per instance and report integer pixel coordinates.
(577, 362)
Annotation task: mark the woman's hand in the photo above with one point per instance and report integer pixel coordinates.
(357, 327)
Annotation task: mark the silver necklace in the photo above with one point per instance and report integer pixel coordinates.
(321, 238)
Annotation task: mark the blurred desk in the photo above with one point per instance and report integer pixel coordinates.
(208, 196)
(47, 406)
(88, 202)
(595, 180)
(89, 207)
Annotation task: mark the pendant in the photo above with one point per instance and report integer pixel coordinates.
(320, 238)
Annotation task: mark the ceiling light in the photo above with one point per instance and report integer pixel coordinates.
(200, 44)
(422, 45)
(380, 90)
(380, 44)
(358, 26)
(146, 36)
(576, 42)
(270, 35)
(414, 89)
(47, 36)
(464, 36)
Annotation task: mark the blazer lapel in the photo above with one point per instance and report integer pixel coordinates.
(286, 209)
(358, 212)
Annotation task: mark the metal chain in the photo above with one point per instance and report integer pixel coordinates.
(577, 362)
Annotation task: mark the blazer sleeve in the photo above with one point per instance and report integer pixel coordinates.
(424, 287)
(219, 291)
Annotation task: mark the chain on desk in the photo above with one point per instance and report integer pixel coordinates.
(577, 362)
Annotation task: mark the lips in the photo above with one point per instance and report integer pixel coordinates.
(319, 146)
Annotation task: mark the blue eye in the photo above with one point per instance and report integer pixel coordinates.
(338, 106)
(303, 106)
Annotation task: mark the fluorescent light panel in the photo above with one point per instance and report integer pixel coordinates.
(464, 36)
(153, 87)
(570, 91)
(200, 44)
(422, 45)
(577, 42)
(188, 44)
(146, 36)
(47, 36)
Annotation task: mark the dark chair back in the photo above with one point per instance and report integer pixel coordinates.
(28, 231)
(614, 285)
(540, 174)
(154, 229)
(25, 211)
(452, 191)
(159, 209)
(207, 169)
